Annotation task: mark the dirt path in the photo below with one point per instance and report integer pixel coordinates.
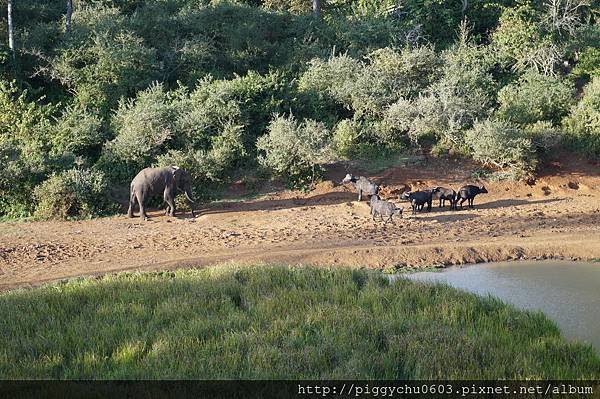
(558, 216)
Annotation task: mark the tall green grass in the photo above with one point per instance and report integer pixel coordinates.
(275, 322)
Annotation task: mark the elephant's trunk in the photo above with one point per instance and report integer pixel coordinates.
(192, 202)
(189, 197)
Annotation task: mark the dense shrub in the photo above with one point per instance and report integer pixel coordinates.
(544, 137)
(204, 112)
(545, 36)
(73, 193)
(518, 35)
(410, 118)
(452, 103)
(248, 100)
(295, 150)
(102, 60)
(23, 167)
(409, 70)
(77, 130)
(582, 125)
(142, 127)
(334, 78)
(346, 138)
(390, 75)
(589, 64)
(23, 149)
(206, 127)
(500, 144)
(139, 83)
(367, 88)
(535, 97)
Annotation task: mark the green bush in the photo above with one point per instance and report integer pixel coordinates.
(367, 88)
(408, 118)
(206, 126)
(227, 150)
(452, 103)
(143, 126)
(75, 193)
(138, 83)
(248, 101)
(204, 112)
(518, 35)
(535, 97)
(24, 149)
(346, 138)
(588, 65)
(333, 78)
(407, 71)
(544, 137)
(390, 75)
(295, 150)
(444, 114)
(77, 130)
(502, 145)
(212, 164)
(582, 125)
(102, 60)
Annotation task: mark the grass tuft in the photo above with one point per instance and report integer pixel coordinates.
(276, 322)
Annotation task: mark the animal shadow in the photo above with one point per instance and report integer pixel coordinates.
(448, 218)
(332, 198)
(513, 202)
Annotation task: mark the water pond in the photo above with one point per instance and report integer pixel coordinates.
(567, 292)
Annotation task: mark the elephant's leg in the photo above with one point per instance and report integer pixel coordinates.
(140, 200)
(166, 199)
(131, 204)
(192, 208)
(170, 200)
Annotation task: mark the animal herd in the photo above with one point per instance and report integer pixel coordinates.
(151, 182)
(417, 199)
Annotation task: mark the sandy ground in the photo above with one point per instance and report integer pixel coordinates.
(557, 216)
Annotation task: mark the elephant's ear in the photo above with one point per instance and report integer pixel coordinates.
(177, 173)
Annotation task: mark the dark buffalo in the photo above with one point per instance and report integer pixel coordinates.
(445, 194)
(418, 199)
(468, 193)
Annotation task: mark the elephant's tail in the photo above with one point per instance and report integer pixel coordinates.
(132, 195)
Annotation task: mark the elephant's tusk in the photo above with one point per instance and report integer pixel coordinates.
(189, 198)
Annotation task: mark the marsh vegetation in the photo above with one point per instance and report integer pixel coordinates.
(275, 322)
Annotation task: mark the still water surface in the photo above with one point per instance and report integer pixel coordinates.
(567, 292)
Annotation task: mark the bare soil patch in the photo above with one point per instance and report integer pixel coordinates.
(555, 216)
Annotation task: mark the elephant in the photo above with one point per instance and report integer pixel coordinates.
(151, 182)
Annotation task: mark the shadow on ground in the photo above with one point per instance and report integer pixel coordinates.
(444, 218)
(503, 203)
(332, 198)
